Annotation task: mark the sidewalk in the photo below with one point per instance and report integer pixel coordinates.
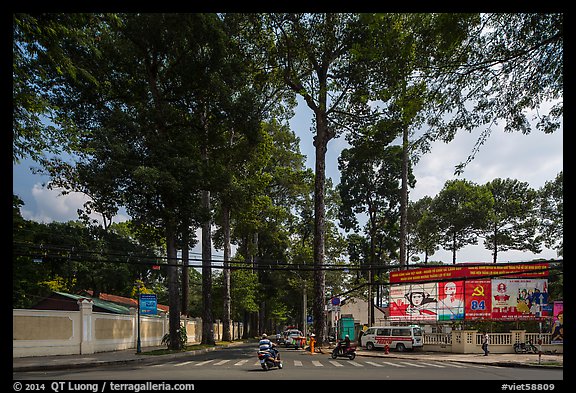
(60, 362)
(497, 359)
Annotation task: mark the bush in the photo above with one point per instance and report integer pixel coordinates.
(182, 337)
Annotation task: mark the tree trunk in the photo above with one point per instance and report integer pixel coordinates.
(185, 268)
(404, 200)
(207, 319)
(323, 135)
(173, 293)
(495, 245)
(372, 218)
(226, 334)
(454, 248)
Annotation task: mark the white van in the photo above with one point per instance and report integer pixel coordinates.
(401, 338)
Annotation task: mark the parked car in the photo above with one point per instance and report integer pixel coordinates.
(293, 337)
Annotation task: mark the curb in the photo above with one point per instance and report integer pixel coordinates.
(138, 358)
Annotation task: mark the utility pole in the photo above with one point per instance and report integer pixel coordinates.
(304, 316)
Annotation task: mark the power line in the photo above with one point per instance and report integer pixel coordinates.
(128, 258)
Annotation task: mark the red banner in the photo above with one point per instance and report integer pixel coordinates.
(441, 273)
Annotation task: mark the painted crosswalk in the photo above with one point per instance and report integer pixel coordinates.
(382, 364)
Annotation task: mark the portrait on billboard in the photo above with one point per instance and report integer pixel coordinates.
(450, 300)
(413, 302)
(557, 332)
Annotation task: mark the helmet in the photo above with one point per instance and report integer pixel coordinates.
(264, 335)
(347, 336)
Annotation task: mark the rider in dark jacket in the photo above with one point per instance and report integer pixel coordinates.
(344, 345)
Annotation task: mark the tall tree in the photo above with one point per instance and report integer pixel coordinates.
(255, 94)
(399, 50)
(313, 52)
(512, 222)
(423, 231)
(551, 201)
(462, 209)
(142, 123)
(371, 173)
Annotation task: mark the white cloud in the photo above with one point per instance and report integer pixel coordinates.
(51, 206)
(534, 158)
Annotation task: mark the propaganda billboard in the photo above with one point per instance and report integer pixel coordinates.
(470, 292)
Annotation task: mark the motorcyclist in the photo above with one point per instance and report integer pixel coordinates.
(344, 345)
(266, 345)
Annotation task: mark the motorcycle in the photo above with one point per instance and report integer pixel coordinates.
(340, 351)
(526, 347)
(268, 360)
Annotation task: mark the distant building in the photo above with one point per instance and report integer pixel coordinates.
(358, 309)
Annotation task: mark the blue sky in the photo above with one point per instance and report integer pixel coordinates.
(535, 158)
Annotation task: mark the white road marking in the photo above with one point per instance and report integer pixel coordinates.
(204, 362)
(413, 364)
(394, 364)
(434, 365)
(457, 365)
(183, 363)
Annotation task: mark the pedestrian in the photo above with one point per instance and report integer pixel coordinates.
(312, 343)
(485, 342)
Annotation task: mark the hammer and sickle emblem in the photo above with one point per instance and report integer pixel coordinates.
(478, 291)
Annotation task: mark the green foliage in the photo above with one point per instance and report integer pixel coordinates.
(423, 228)
(71, 257)
(513, 222)
(160, 107)
(462, 209)
(181, 337)
(551, 213)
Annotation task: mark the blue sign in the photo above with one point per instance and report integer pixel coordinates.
(309, 319)
(148, 304)
(335, 301)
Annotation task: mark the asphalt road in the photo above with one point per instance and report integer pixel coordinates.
(241, 364)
